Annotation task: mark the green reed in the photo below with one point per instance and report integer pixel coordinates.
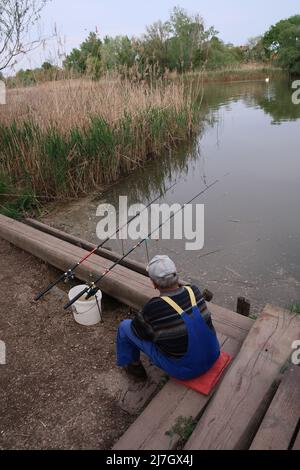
(44, 163)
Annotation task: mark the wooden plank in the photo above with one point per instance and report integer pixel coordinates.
(127, 286)
(230, 323)
(233, 416)
(148, 432)
(282, 417)
(191, 406)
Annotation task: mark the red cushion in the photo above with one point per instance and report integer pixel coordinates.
(206, 382)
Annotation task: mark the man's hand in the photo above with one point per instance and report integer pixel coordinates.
(207, 295)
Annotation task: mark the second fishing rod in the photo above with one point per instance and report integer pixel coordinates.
(69, 274)
(93, 288)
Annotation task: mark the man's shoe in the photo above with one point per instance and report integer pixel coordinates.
(137, 371)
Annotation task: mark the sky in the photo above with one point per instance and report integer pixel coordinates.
(236, 20)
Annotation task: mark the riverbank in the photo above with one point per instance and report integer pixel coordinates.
(60, 388)
(62, 140)
(244, 72)
(65, 139)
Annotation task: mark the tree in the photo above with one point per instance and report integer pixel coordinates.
(282, 42)
(86, 59)
(220, 54)
(156, 44)
(177, 43)
(189, 36)
(17, 17)
(75, 61)
(26, 77)
(47, 66)
(118, 51)
(255, 50)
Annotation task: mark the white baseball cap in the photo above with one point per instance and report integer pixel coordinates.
(161, 266)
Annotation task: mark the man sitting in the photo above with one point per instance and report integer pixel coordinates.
(174, 330)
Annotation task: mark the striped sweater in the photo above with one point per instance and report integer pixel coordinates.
(158, 322)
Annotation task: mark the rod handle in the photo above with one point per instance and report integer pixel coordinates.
(71, 302)
(47, 289)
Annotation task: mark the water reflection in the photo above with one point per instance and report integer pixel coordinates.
(277, 102)
(274, 98)
(153, 180)
(252, 223)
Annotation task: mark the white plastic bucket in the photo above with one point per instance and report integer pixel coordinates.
(86, 312)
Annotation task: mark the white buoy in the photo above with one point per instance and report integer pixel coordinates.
(267, 80)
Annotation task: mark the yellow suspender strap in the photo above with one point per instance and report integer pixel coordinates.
(192, 296)
(173, 305)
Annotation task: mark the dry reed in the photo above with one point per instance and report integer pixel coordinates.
(68, 138)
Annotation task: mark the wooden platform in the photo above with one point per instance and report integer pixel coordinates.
(280, 426)
(151, 430)
(235, 412)
(230, 418)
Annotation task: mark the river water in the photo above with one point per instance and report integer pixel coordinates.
(250, 142)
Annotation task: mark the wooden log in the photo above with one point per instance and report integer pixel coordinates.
(281, 419)
(236, 410)
(123, 284)
(148, 432)
(104, 252)
(230, 324)
(127, 286)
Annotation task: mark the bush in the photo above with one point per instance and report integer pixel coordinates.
(282, 43)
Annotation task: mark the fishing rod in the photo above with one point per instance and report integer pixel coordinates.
(69, 274)
(93, 288)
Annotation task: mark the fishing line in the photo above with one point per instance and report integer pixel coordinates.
(69, 274)
(93, 289)
(147, 251)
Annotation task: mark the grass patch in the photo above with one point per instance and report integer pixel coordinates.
(295, 307)
(12, 204)
(183, 428)
(253, 317)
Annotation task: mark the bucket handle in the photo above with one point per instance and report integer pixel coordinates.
(99, 308)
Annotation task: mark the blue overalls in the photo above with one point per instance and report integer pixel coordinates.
(203, 346)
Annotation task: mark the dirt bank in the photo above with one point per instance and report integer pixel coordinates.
(59, 388)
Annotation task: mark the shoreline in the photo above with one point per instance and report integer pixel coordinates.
(244, 73)
(45, 159)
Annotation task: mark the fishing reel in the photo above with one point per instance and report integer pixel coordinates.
(69, 276)
(91, 291)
